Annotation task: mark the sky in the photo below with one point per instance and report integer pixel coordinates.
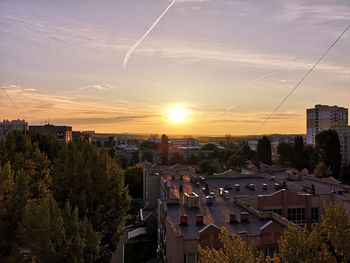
(228, 63)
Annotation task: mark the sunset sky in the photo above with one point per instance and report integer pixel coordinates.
(225, 63)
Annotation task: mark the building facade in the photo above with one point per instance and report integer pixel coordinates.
(7, 126)
(344, 138)
(324, 117)
(62, 133)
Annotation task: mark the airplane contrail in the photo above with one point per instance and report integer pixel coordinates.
(138, 42)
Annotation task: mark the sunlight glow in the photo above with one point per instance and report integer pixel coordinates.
(177, 114)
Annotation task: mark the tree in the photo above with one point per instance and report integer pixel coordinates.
(91, 181)
(206, 167)
(164, 147)
(25, 155)
(234, 250)
(322, 171)
(209, 147)
(311, 157)
(133, 180)
(328, 146)
(264, 151)
(236, 162)
(54, 235)
(147, 156)
(327, 242)
(298, 152)
(177, 158)
(285, 151)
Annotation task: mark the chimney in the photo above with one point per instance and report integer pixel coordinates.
(244, 217)
(199, 219)
(183, 220)
(233, 218)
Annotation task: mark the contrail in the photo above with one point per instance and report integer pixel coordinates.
(138, 42)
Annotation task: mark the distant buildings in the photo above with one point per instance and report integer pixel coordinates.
(62, 133)
(344, 138)
(7, 126)
(324, 117)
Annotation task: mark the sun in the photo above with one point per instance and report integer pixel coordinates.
(177, 114)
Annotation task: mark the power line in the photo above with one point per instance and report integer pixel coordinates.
(297, 85)
(12, 101)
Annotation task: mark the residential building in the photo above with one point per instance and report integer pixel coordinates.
(62, 133)
(6, 126)
(191, 208)
(324, 117)
(344, 138)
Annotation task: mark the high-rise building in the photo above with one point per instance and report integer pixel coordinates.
(7, 126)
(344, 138)
(324, 117)
(62, 133)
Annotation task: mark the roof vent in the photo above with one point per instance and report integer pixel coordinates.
(199, 219)
(183, 220)
(244, 217)
(233, 218)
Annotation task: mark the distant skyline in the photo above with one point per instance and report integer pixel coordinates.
(228, 63)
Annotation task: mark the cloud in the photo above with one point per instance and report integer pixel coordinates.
(98, 87)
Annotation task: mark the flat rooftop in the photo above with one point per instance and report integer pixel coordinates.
(218, 213)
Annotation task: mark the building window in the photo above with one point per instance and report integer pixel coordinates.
(277, 211)
(271, 251)
(314, 215)
(190, 258)
(297, 215)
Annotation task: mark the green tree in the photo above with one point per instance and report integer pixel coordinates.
(264, 151)
(328, 146)
(285, 151)
(25, 155)
(164, 148)
(322, 171)
(177, 158)
(327, 242)
(91, 181)
(134, 180)
(298, 152)
(236, 162)
(54, 235)
(206, 167)
(234, 250)
(311, 157)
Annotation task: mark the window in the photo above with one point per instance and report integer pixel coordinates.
(297, 215)
(271, 251)
(278, 211)
(190, 258)
(314, 215)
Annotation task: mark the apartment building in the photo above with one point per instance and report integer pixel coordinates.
(191, 209)
(324, 117)
(6, 126)
(344, 138)
(62, 133)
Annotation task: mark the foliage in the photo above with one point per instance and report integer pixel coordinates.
(91, 181)
(54, 235)
(285, 152)
(264, 151)
(322, 171)
(33, 221)
(328, 146)
(133, 180)
(298, 152)
(206, 167)
(327, 242)
(164, 148)
(177, 158)
(147, 156)
(208, 147)
(22, 154)
(234, 250)
(236, 162)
